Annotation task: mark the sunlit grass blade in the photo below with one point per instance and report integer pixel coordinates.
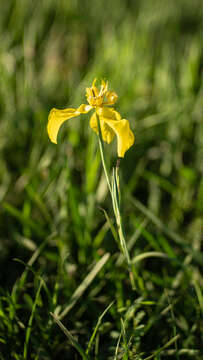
(149, 254)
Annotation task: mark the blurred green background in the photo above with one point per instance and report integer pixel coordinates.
(151, 52)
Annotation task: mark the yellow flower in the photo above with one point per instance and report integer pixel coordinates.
(111, 122)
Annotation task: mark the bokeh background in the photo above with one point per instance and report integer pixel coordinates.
(151, 52)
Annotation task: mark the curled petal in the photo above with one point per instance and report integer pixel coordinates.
(125, 137)
(57, 117)
(111, 97)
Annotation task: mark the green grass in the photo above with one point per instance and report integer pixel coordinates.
(65, 291)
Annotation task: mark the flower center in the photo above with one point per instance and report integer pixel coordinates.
(94, 96)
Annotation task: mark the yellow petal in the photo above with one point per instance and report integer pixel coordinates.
(107, 133)
(95, 97)
(104, 87)
(57, 117)
(111, 97)
(95, 89)
(93, 123)
(84, 108)
(104, 84)
(125, 137)
(103, 114)
(108, 113)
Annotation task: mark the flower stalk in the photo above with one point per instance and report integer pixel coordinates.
(114, 189)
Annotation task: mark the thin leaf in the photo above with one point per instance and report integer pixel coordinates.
(85, 283)
(72, 340)
(97, 327)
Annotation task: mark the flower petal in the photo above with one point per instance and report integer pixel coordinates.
(111, 97)
(125, 137)
(95, 97)
(96, 91)
(57, 117)
(108, 113)
(103, 114)
(84, 108)
(107, 133)
(92, 92)
(93, 123)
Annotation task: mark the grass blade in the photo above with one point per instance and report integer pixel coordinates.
(83, 286)
(29, 327)
(97, 327)
(72, 340)
(149, 254)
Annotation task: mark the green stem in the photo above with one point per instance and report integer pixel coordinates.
(115, 196)
(120, 225)
(101, 146)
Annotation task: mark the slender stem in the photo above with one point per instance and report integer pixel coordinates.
(101, 146)
(115, 196)
(120, 226)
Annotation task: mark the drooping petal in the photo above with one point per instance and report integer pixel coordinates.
(125, 137)
(93, 123)
(57, 117)
(108, 113)
(107, 133)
